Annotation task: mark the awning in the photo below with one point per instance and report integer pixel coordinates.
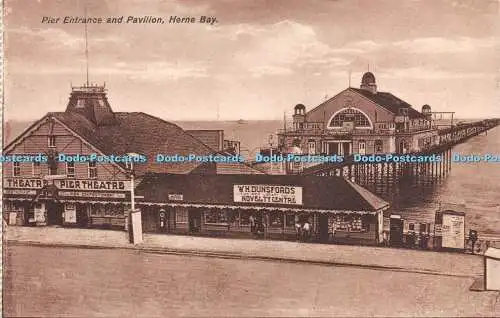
(246, 207)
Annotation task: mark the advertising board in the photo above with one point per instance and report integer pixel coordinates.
(453, 231)
(263, 193)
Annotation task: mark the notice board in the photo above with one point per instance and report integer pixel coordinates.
(453, 231)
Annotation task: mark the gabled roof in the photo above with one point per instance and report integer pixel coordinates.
(389, 102)
(147, 135)
(139, 133)
(322, 193)
(89, 116)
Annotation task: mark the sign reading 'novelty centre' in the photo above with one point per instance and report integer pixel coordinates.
(260, 193)
(73, 184)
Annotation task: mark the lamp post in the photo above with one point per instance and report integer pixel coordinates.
(132, 186)
(132, 179)
(129, 224)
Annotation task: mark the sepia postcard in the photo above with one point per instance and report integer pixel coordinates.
(251, 158)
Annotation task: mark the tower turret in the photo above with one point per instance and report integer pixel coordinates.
(299, 116)
(91, 102)
(368, 82)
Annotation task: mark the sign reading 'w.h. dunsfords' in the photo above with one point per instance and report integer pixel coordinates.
(263, 193)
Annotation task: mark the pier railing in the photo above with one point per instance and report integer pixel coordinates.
(456, 135)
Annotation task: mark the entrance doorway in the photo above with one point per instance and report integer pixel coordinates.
(403, 146)
(323, 228)
(82, 218)
(54, 213)
(194, 216)
(396, 230)
(346, 149)
(342, 148)
(333, 148)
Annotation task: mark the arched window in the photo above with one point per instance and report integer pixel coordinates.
(350, 115)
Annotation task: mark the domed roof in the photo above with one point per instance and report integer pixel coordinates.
(294, 150)
(426, 107)
(368, 78)
(300, 106)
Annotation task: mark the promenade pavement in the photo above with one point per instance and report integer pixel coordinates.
(442, 263)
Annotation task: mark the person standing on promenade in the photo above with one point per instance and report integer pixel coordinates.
(252, 224)
(385, 238)
(298, 227)
(307, 230)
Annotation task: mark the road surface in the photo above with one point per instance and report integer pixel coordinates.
(76, 282)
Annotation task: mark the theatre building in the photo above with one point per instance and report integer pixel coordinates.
(46, 190)
(360, 120)
(224, 205)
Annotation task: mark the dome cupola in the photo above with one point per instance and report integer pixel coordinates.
(368, 82)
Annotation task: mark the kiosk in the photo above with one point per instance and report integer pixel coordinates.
(492, 269)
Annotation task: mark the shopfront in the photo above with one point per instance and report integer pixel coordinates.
(263, 206)
(66, 202)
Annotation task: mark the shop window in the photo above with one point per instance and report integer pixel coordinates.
(276, 219)
(8, 206)
(216, 217)
(109, 209)
(245, 217)
(51, 141)
(181, 215)
(349, 223)
(13, 206)
(70, 169)
(290, 220)
(69, 207)
(234, 218)
(356, 224)
(92, 170)
(97, 210)
(113, 210)
(16, 172)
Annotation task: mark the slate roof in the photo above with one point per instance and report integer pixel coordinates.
(139, 133)
(322, 193)
(389, 102)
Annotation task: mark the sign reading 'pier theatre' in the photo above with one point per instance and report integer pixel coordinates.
(68, 184)
(258, 193)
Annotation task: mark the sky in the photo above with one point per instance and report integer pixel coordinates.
(259, 60)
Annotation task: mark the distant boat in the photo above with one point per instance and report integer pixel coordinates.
(241, 121)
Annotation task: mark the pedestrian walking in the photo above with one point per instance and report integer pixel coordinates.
(306, 230)
(298, 230)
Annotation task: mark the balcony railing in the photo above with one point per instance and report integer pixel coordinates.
(315, 131)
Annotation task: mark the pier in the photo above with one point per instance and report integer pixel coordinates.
(380, 175)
